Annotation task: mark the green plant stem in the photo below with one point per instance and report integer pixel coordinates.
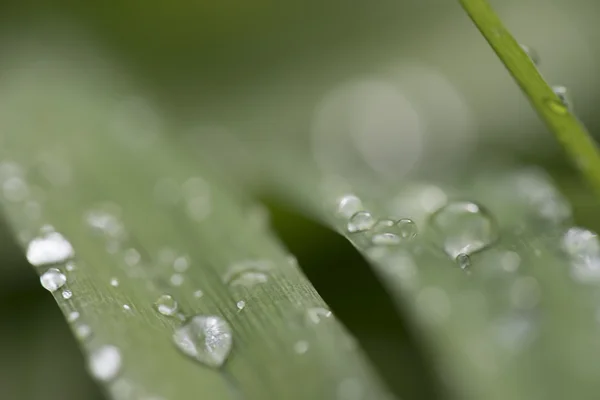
(570, 133)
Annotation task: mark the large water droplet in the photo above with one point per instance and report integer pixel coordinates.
(207, 339)
(51, 248)
(53, 279)
(360, 222)
(407, 229)
(105, 363)
(247, 273)
(463, 227)
(583, 247)
(533, 55)
(463, 261)
(563, 96)
(166, 305)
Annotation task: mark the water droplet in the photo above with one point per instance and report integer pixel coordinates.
(532, 54)
(385, 232)
(70, 266)
(583, 247)
(198, 294)
(208, 339)
(247, 273)
(53, 279)
(510, 261)
(83, 331)
(315, 314)
(407, 228)
(463, 261)
(557, 106)
(51, 248)
(241, 304)
(15, 189)
(126, 307)
(301, 347)
(463, 227)
(563, 95)
(181, 264)
(106, 221)
(177, 279)
(166, 305)
(132, 257)
(67, 294)
(105, 363)
(73, 316)
(114, 282)
(360, 222)
(348, 205)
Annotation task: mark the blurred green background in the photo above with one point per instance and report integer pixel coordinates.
(258, 69)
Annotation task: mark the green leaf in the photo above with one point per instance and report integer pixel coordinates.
(144, 220)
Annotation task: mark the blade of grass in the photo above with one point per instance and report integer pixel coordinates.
(521, 331)
(69, 148)
(567, 129)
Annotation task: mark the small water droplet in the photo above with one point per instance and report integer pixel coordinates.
(198, 294)
(348, 205)
(177, 279)
(463, 261)
(50, 248)
(532, 54)
(53, 279)
(106, 221)
(463, 227)
(407, 228)
(132, 257)
(83, 331)
(301, 347)
(67, 294)
(207, 339)
(114, 282)
(360, 222)
(70, 266)
(385, 232)
(247, 273)
(73, 316)
(563, 95)
(181, 264)
(166, 305)
(241, 304)
(557, 106)
(315, 314)
(126, 307)
(583, 247)
(105, 363)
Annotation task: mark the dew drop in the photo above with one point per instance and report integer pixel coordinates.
(70, 266)
(532, 54)
(241, 304)
(73, 316)
(583, 247)
(360, 222)
(105, 363)
(557, 107)
(207, 339)
(563, 95)
(181, 264)
(67, 294)
(463, 261)
(463, 227)
(301, 347)
(83, 331)
(348, 205)
(177, 279)
(247, 273)
(126, 307)
(53, 279)
(51, 248)
(385, 232)
(166, 305)
(315, 314)
(114, 282)
(407, 229)
(198, 294)
(132, 257)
